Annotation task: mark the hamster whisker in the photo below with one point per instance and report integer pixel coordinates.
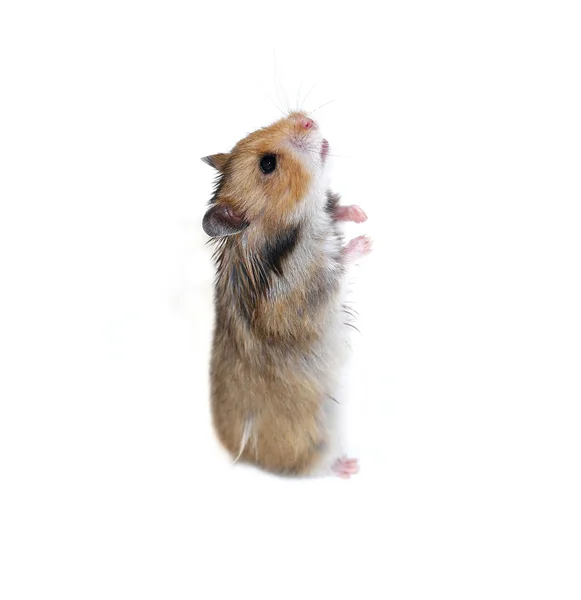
(328, 154)
(275, 104)
(304, 136)
(325, 104)
(277, 85)
(286, 100)
(308, 93)
(298, 96)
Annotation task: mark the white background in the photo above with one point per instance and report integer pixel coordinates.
(458, 130)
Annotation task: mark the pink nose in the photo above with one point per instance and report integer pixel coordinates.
(307, 123)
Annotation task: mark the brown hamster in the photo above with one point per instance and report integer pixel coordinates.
(280, 330)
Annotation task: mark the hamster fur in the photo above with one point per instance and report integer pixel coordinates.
(280, 334)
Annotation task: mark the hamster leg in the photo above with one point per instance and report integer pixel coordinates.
(349, 213)
(345, 467)
(357, 248)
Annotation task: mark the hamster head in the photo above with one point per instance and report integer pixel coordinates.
(269, 179)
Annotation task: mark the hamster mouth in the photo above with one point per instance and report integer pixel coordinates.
(324, 149)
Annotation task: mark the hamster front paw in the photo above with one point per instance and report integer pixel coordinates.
(358, 248)
(351, 213)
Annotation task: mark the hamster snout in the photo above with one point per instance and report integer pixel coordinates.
(305, 135)
(307, 123)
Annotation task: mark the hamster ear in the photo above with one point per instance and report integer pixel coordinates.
(221, 220)
(218, 161)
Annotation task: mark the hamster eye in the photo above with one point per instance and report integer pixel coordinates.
(268, 163)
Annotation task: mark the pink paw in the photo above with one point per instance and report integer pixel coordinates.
(350, 213)
(345, 467)
(358, 247)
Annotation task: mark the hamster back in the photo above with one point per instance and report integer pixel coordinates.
(280, 322)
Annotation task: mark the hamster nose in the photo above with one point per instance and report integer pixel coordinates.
(307, 123)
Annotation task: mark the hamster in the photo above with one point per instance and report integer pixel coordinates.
(280, 333)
